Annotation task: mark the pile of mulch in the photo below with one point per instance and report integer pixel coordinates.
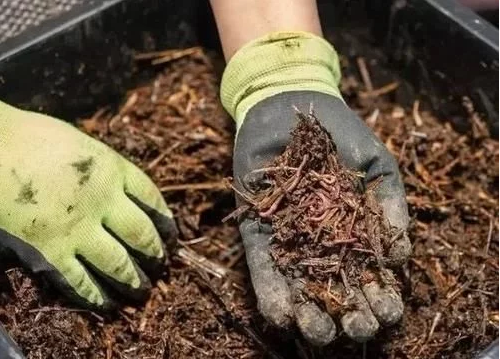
(326, 225)
(175, 129)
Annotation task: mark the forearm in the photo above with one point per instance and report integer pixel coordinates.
(241, 21)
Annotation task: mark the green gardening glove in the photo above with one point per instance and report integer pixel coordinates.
(262, 83)
(77, 212)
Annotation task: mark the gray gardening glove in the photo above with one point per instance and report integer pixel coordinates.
(261, 85)
(8, 349)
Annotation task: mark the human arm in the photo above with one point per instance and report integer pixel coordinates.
(278, 60)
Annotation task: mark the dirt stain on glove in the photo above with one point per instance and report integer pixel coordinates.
(27, 193)
(83, 169)
(34, 228)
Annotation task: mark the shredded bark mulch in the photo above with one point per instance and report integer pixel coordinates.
(326, 225)
(175, 129)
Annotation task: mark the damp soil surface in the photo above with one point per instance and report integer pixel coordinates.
(175, 129)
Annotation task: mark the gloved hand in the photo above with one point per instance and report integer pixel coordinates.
(75, 211)
(260, 86)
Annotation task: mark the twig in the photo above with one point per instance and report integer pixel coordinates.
(435, 322)
(485, 292)
(351, 225)
(341, 257)
(159, 57)
(344, 280)
(232, 262)
(162, 155)
(191, 258)
(362, 250)
(294, 181)
(236, 213)
(335, 299)
(365, 75)
(402, 150)
(191, 345)
(243, 195)
(311, 110)
(340, 241)
(453, 295)
(444, 171)
(132, 99)
(418, 134)
(194, 186)
(373, 184)
(192, 241)
(68, 310)
(162, 286)
(485, 314)
(488, 239)
(380, 91)
(416, 114)
(274, 169)
(396, 237)
(313, 262)
(372, 119)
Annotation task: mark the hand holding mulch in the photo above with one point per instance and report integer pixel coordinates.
(324, 222)
(330, 237)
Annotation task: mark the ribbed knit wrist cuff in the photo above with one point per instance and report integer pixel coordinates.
(278, 62)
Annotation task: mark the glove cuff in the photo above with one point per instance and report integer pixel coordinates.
(275, 63)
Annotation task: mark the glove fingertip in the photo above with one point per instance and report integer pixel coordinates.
(396, 212)
(275, 306)
(274, 298)
(165, 225)
(316, 326)
(97, 299)
(399, 252)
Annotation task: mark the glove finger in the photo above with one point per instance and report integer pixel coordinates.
(113, 264)
(62, 270)
(273, 295)
(136, 231)
(359, 323)
(316, 326)
(396, 211)
(144, 193)
(385, 303)
(79, 285)
(391, 196)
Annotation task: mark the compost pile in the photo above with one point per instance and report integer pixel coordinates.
(174, 128)
(325, 225)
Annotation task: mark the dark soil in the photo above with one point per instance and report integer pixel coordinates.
(175, 129)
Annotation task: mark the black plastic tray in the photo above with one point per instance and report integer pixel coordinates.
(70, 66)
